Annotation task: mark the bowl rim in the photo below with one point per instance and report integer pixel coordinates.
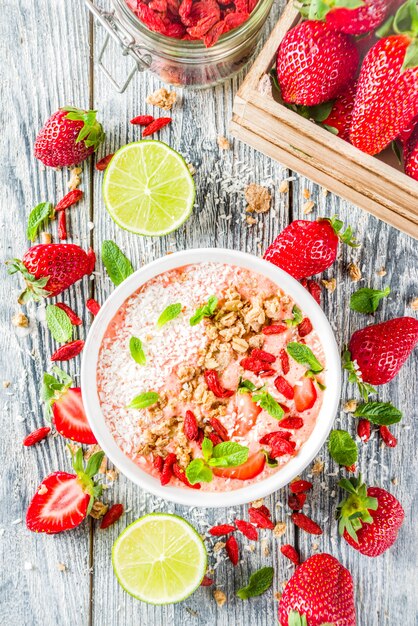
(182, 495)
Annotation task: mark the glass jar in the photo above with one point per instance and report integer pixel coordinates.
(177, 62)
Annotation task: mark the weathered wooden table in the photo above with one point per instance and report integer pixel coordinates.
(48, 51)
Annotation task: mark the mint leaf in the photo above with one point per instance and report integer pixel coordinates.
(381, 413)
(58, 323)
(259, 582)
(268, 403)
(366, 300)
(116, 263)
(297, 317)
(198, 472)
(228, 454)
(303, 354)
(207, 448)
(205, 311)
(170, 313)
(144, 400)
(41, 213)
(342, 448)
(246, 386)
(137, 351)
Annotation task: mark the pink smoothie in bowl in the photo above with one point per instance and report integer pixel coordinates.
(212, 377)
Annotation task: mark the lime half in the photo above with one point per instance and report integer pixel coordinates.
(148, 189)
(159, 559)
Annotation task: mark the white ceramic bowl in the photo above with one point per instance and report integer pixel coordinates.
(255, 490)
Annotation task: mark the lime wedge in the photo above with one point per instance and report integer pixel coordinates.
(148, 189)
(159, 559)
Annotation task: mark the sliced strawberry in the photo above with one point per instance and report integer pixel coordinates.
(305, 394)
(247, 413)
(251, 468)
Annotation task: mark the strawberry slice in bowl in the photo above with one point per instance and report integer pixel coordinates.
(304, 394)
(247, 413)
(250, 469)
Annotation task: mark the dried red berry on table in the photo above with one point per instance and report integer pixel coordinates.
(259, 518)
(232, 550)
(93, 306)
(284, 387)
(291, 553)
(74, 319)
(142, 120)
(364, 429)
(159, 463)
(62, 226)
(213, 382)
(112, 515)
(389, 439)
(300, 486)
(247, 529)
(296, 501)
(305, 327)
(68, 350)
(206, 581)
(221, 529)
(264, 510)
(37, 435)
(190, 427)
(274, 329)
(69, 199)
(306, 523)
(219, 429)
(167, 471)
(284, 360)
(293, 423)
(180, 474)
(104, 162)
(313, 287)
(155, 126)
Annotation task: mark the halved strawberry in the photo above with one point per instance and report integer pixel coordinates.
(251, 468)
(247, 413)
(63, 500)
(66, 406)
(305, 394)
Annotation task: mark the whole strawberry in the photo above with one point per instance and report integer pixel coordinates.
(306, 248)
(315, 63)
(370, 518)
(340, 15)
(410, 154)
(376, 353)
(319, 592)
(387, 91)
(62, 501)
(68, 137)
(341, 112)
(48, 269)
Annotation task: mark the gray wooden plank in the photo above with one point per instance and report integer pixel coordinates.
(38, 76)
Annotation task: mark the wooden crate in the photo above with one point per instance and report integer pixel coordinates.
(376, 184)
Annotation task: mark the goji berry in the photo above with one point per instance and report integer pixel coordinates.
(264, 510)
(364, 429)
(68, 350)
(259, 518)
(253, 365)
(262, 355)
(213, 34)
(306, 523)
(206, 581)
(281, 447)
(62, 226)
(300, 486)
(284, 407)
(167, 471)
(219, 428)
(284, 387)
(190, 427)
(268, 373)
(215, 439)
(36, 436)
(284, 360)
(233, 20)
(142, 120)
(232, 550)
(296, 501)
(104, 162)
(74, 319)
(69, 199)
(389, 439)
(269, 438)
(274, 329)
(293, 423)
(159, 463)
(212, 381)
(200, 436)
(180, 474)
(313, 287)
(290, 553)
(221, 529)
(305, 327)
(93, 306)
(112, 515)
(247, 529)
(155, 126)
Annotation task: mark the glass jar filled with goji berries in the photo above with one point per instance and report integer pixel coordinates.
(196, 43)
